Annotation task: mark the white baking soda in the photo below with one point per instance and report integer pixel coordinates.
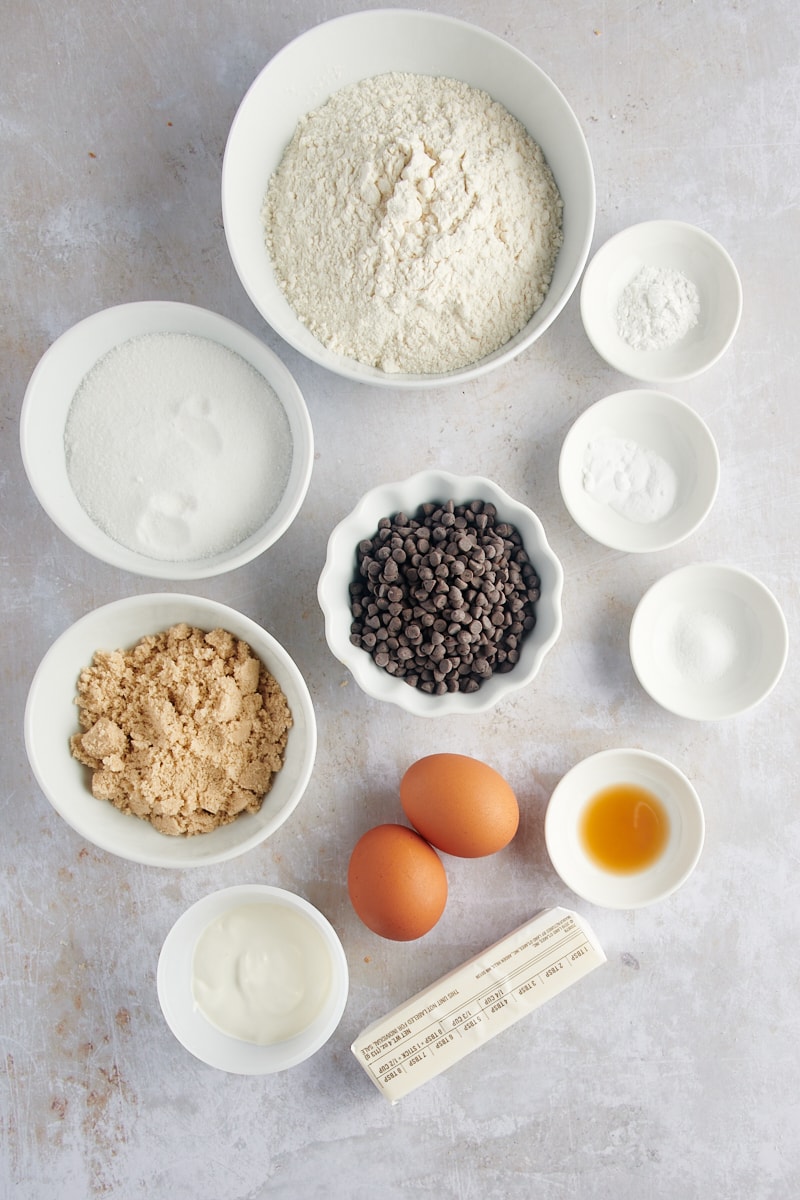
(176, 447)
(630, 479)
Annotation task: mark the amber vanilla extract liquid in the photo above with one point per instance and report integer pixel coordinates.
(624, 828)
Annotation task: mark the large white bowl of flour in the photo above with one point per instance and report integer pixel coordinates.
(167, 440)
(349, 52)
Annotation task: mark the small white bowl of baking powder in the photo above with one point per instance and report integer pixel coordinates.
(252, 979)
(708, 641)
(166, 440)
(639, 470)
(661, 301)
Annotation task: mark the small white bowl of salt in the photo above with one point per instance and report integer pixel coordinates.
(708, 641)
(661, 301)
(166, 440)
(639, 471)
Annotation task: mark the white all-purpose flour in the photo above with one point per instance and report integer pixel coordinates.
(413, 223)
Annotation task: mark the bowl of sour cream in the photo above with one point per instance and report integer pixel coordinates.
(252, 979)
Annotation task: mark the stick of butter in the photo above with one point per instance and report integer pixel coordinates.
(476, 1001)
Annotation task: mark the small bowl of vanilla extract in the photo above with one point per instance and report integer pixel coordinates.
(624, 828)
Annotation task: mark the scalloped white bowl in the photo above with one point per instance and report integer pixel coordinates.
(58, 376)
(306, 72)
(51, 718)
(340, 567)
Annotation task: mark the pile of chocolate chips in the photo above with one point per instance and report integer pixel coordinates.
(443, 599)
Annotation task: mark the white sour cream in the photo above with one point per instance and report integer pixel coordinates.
(261, 973)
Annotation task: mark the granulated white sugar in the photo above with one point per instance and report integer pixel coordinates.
(176, 447)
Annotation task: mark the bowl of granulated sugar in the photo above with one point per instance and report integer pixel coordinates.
(166, 440)
(661, 301)
(419, 205)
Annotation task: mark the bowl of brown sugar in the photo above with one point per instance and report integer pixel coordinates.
(170, 730)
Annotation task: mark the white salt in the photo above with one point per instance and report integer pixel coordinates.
(176, 446)
(703, 646)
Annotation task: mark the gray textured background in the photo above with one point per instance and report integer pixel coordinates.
(673, 1070)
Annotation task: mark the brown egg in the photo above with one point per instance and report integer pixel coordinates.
(396, 882)
(460, 805)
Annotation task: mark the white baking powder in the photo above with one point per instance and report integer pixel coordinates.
(657, 308)
(413, 223)
(631, 479)
(176, 446)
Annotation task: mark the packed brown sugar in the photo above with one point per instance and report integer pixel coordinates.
(186, 729)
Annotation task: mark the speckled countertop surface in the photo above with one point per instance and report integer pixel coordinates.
(673, 1070)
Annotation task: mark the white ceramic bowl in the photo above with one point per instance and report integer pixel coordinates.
(46, 406)
(708, 641)
(565, 812)
(340, 567)
(639, 471)
(677, 246)
(203, 1039)
(51, 718)
(303, 76)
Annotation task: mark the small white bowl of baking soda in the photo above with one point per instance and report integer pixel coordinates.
(252, 979)
(639, 470)
(708, 641)
(357, 227)
(166, 440)
(661, 301)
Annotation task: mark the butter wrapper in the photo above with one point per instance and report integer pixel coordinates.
(474, 1002)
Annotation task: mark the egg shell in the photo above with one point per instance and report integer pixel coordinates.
(396, 882)
(459, 804)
